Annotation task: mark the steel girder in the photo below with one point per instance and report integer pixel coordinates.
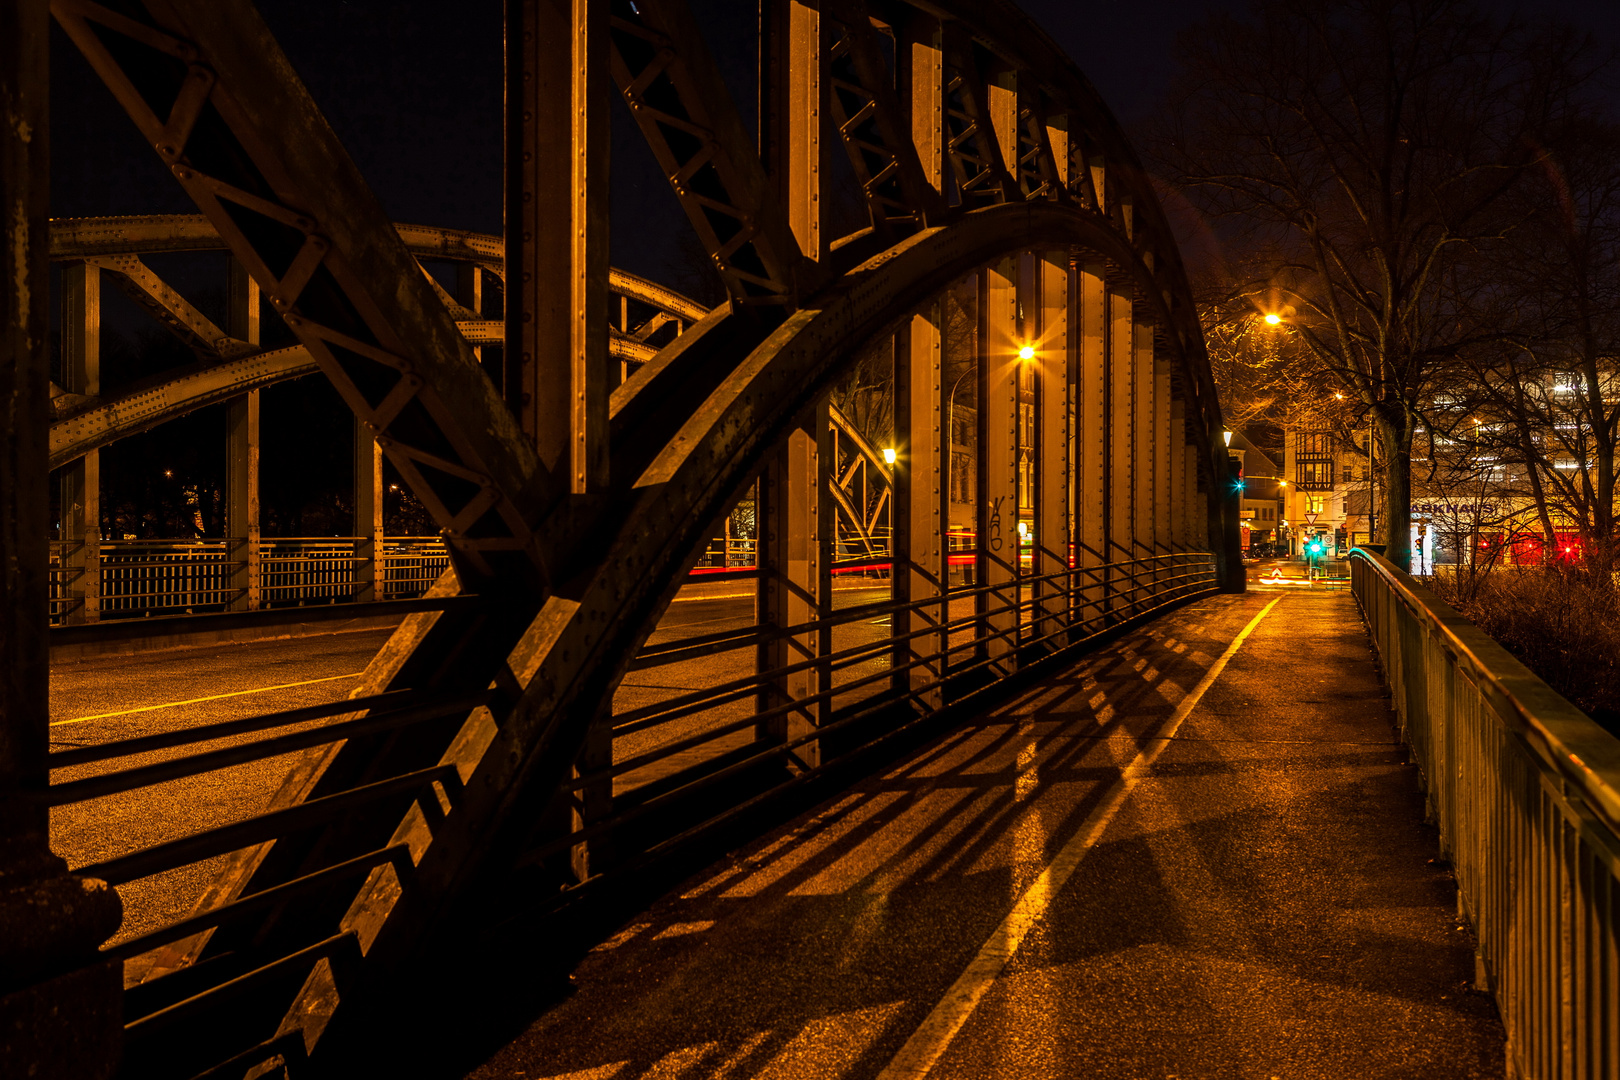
(230, 368)
(209, 88)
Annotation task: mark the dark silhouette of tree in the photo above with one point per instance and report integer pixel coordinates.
(1363, 154)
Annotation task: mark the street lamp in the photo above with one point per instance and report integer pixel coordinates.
(1272, 319)
(888, 455)
(1027, 353)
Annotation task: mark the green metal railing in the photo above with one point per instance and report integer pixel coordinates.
(1526, 791)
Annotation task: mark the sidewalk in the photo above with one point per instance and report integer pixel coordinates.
(1060, 890)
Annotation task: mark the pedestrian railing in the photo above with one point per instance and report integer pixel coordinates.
(702, 750)
(134, 578)
(1526, 791)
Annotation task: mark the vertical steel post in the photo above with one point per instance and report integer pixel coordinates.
(1053, 542)
(922, 50)
(792, 576)
(918, 508)
(81, 479)
(1164, 476)
(60, 1004)
(807, 152)
(368, 514)
(1092, 475)
(557, 231)
(998, 460)
(1123, 463)
(470, 293)
(242, 528)
(1180, 534)
(1144, 448)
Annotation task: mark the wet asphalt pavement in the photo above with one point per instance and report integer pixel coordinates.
(1133, 870)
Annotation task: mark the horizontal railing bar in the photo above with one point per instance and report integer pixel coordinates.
(799, 704)
(79, 755)
(122, 629)
(398, 854)
(672, 709)
(766, 750)
(227, 990)
(683, 705)
(255, 830)
(96, 787)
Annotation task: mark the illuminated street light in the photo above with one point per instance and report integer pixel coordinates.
(1273, 319)
(1027, 353)
(888, 455)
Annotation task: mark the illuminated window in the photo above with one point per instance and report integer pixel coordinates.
(1313, 503)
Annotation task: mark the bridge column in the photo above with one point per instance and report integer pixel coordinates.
(1052, 462)
(999, 376)
(1180, 538)
(1091, 443)
(1164, 475)
(81, 479)
(794, 584)
(242, 450)
(1123, 464)
(60, 1005)
(918, 508)
(556, 241)
(1144, 448)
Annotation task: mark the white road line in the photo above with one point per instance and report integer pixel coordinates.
(199, 700)
(929, 1042)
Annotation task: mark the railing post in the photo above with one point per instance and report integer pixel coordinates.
(242, 453)
(60, 1005)
(791, 584)
(999, 342)
(1180, 534)
(81, 479)
(918, 509)
(1053, 541)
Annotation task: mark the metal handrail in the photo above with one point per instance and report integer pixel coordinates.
(1525, 789)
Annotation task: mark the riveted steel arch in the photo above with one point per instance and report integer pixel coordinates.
(483, 743)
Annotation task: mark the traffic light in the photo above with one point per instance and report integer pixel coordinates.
(1315, 547)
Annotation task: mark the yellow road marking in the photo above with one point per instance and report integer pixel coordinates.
(200, 700)
(929, 1042)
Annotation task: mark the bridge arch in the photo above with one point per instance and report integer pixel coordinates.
(491, 744)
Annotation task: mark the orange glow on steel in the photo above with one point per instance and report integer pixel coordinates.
(200, 700)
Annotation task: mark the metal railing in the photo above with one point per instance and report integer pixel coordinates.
(1526, 791)
(142, 577)
(872, 686)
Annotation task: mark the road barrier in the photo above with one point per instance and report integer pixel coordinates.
(1526, 791)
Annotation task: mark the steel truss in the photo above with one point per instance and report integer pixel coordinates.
(481, 751)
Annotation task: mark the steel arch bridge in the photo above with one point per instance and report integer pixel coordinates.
(1015, 280)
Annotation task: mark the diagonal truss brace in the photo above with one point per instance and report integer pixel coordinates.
(867, 114)
(210, 89)
(679, 101)
(137, 281)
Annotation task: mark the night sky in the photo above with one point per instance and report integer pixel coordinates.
(414, 90)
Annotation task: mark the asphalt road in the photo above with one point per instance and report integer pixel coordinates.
(1194, 854)
(110, 698)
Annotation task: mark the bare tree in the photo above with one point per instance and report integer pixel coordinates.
(1365, 150)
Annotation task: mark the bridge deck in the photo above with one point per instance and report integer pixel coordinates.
(1147, 866)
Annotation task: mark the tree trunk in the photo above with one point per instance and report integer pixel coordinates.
(1396, 437)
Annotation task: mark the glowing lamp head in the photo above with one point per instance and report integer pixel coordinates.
(1027, 353)
(888, 455)
(1272, 319)
(1023, 528)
